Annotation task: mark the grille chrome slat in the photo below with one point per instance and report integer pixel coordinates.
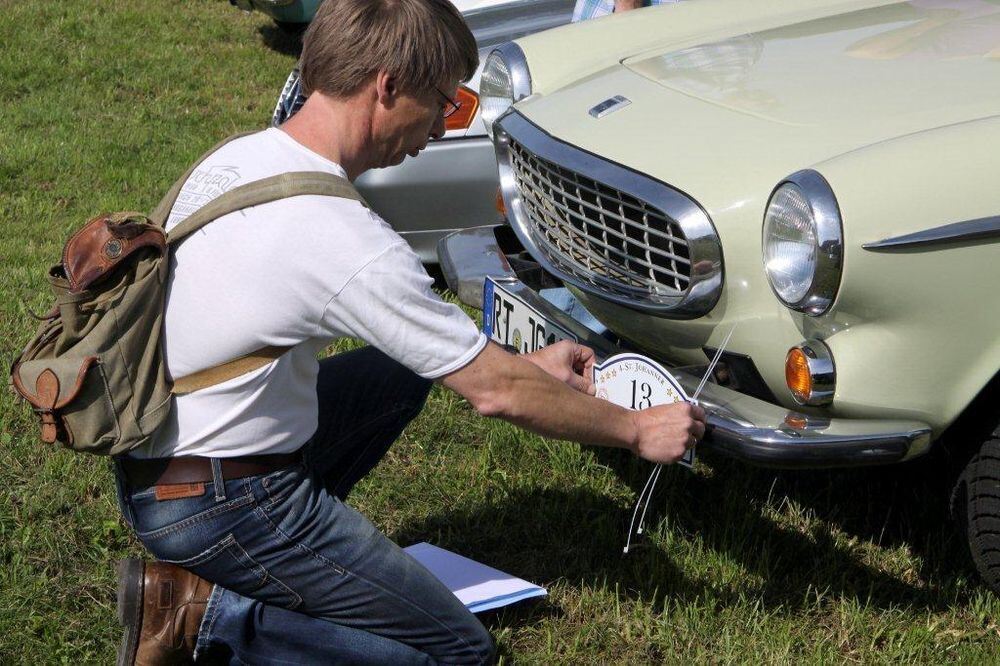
(605, 229)
(606, 277)
(623, 257)
(605, 265)
(619, 217)
(627, 258)
(644, 247)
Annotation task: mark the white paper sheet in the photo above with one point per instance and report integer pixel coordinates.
(476, 585)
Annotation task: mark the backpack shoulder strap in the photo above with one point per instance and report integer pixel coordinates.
(162, 211)
(229, 370)
(253, 194)
(264, 191)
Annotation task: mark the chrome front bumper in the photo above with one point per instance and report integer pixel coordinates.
(740, 426)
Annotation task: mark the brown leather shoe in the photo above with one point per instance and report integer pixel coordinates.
(161, 606)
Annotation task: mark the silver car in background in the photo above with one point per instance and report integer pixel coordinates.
(452, 183)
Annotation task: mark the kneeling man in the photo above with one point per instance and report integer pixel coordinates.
(260, 559)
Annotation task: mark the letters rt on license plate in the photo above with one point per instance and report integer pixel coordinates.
(511, 322)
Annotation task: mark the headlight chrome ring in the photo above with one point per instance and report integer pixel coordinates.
(804, 189)
(505, 80)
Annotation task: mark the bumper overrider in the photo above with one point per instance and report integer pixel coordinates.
(739, 425)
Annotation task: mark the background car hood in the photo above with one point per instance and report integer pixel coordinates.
(495, 23)
(897, 69)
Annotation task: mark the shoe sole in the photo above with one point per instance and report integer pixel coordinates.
(130, 580)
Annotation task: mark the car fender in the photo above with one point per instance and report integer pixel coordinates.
(916, 315)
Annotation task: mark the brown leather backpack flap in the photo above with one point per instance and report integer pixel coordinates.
(49, 385)
(104, 243)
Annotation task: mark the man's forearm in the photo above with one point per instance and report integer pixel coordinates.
(511, 388)
(549, 407)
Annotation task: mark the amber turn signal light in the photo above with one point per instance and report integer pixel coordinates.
(810, 373)
(796, 421)
(797, 375)
(468, 105)
(499, 203)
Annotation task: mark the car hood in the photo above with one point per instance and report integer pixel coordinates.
(725, 121)
(896, 69)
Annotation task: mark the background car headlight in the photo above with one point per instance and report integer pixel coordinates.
(505, 80)
(803, 243)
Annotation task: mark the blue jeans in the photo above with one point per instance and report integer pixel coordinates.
(300, 576)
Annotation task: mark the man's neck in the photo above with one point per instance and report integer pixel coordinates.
(338, 130)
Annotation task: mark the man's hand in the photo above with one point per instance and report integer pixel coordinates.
(568, 362)
(665, 432)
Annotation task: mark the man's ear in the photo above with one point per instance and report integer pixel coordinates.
(386, 88)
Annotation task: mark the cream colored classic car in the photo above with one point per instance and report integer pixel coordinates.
(821, 180)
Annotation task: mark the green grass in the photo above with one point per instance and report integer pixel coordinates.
(103, 103)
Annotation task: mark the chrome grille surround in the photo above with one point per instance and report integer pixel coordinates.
(605, 229)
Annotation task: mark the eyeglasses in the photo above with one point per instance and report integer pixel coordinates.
(451, 107)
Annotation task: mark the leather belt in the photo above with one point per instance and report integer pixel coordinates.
(145, 472)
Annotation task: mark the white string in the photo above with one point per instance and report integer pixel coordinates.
(631, 525)
(654, 476)
(711, 366)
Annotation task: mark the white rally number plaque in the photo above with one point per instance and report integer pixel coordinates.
(636, 382)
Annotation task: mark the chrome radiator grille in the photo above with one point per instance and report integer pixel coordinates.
(611, 240)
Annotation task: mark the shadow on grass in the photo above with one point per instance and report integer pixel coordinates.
(546, 536)
(881, 536)
(285, 42)
(819, 547)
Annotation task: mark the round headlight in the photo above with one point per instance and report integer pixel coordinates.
(495, 91)
(505, 80)
(803, 243)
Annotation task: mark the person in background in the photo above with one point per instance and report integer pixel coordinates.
(588, 9)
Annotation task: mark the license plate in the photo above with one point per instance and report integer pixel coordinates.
(511, 322)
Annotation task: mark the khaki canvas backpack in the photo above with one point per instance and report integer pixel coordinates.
(94, 371)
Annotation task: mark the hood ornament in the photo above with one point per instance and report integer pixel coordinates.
(610, 106)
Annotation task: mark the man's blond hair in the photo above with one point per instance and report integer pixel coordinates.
(422, 43)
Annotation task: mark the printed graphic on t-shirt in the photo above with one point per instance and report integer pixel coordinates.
(203, 186)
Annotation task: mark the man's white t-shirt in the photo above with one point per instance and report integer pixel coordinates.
(301, 271)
